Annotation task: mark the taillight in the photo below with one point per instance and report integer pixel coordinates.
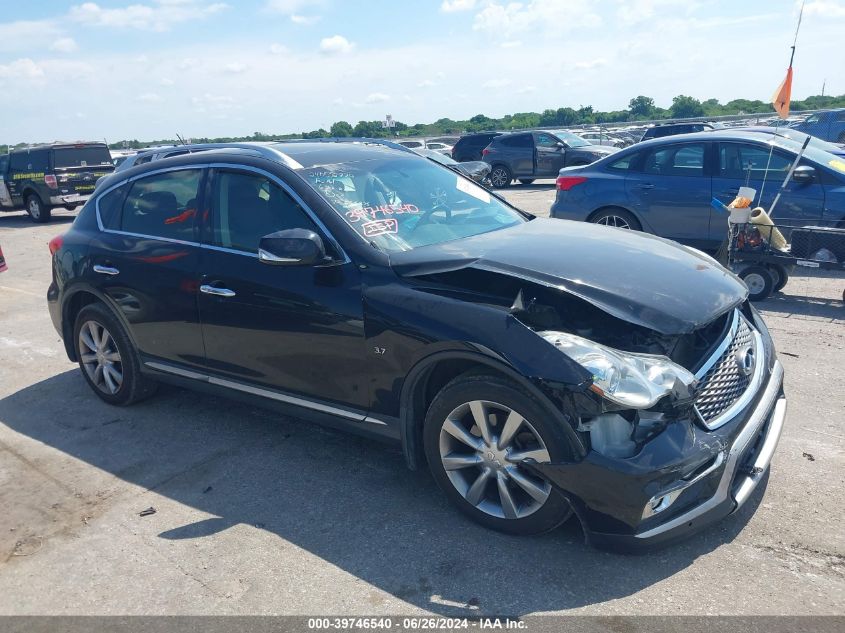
(50, 181)
(565, 183)
(485, 151)
(56, 243)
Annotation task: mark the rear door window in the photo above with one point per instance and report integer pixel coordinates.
(91, 156)
(518, 140)
(163, 205)
(676, 160)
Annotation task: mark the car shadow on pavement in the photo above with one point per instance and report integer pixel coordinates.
(15, 220)
(789, 305)
(348, 500)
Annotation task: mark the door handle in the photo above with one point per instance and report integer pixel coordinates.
(647, 185)
(219, 292)
(106, 270)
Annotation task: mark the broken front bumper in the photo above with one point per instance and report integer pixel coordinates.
(710, 473)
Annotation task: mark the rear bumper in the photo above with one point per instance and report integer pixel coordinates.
(715, 472)
(70, 198)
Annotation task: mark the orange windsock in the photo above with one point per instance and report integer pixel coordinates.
(782, 95)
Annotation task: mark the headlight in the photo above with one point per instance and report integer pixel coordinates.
(632, 380)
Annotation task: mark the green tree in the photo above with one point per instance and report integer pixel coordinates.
(641, 107)
(341, 128)
(684, 107)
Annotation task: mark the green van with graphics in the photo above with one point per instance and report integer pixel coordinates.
(42, 177)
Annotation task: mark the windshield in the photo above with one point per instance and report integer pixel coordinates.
(398, 204)
(573, 140)
(81, 156)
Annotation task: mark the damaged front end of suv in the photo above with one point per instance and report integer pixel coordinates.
(679, 404)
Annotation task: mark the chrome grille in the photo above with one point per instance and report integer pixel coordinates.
(725, 380)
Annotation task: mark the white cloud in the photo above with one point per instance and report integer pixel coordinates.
(27, 34)
(150, 97)
(451, 6)
(426, 83)
(377, 97)
(526, 90)
(161, 15)
(496, 83)
(306, 20)
(278, 49)
(64, 45)
(188, 63)
(166, 81)
(825, 8)
(539, 16)
(289, 7)
(511, 44)
(590, 63)
(21, 69)
(335, 45)
(234, 68)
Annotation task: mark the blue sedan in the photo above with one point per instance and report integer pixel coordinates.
(665, 186)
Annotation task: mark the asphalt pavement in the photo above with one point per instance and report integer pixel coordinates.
(259, 514)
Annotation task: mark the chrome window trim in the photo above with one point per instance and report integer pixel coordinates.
(285, 187)
(358, 416)
(772, 407)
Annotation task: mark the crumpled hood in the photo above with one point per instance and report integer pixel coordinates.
(640, 278)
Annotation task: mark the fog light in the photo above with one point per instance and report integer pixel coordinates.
(659, 503)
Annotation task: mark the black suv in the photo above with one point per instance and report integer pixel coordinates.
(671, 129)
(469, 146)
(542, 368)
(41, 177)
(527, 156)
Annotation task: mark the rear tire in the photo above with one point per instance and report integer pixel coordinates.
(501, 177)
(107, 358)
(759, 281)
(484, 481)
(37, 210)
(619, 218)
(779, 277)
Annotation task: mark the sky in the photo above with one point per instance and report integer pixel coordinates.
(151, 69)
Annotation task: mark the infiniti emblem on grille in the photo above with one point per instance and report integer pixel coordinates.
(745, 360)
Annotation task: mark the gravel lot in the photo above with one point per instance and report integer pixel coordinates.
(257, 514)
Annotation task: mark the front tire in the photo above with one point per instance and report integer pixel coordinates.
(37, 210)
(477, 431)
(501, 177)
(107, 358)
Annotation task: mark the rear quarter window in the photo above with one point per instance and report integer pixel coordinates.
(623, 164)
(109, 205)
(521, 141)
(29, 161)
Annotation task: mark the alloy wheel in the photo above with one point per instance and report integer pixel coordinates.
(499, 177)
(100, 357)
(482, 445)
(614, 220)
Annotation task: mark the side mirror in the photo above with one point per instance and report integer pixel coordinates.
(804, 174)
(292, 247)
(561, 145)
